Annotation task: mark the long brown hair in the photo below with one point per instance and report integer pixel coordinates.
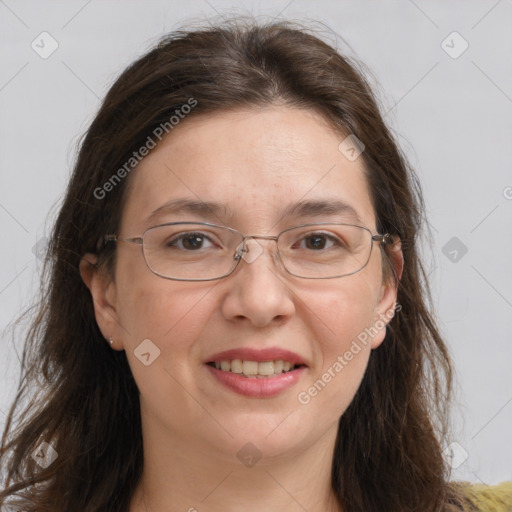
(388, 453)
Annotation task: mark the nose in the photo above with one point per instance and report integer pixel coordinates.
(258, 291)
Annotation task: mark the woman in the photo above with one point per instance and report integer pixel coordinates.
(234, 315)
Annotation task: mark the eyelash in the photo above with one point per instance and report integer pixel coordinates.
(173, 242)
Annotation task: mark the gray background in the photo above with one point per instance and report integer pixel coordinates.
(452, 117)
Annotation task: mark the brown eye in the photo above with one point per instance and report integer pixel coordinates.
(189, 241)
(192, 242)
(316, 242)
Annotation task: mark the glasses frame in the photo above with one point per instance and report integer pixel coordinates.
(384, 238)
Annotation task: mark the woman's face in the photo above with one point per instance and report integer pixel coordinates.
(256, 165)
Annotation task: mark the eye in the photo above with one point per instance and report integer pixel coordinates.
(190, 241)
(317, 242)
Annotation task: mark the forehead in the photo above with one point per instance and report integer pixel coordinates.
(258, 167)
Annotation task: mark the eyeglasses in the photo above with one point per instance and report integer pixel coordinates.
(199, 251)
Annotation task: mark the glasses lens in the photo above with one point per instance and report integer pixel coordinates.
(190, 251)
(201, 251)
(324, 251)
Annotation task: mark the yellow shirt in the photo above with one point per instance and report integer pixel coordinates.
(488, 498)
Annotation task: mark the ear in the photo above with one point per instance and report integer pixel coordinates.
(103, 292)
(386, 304)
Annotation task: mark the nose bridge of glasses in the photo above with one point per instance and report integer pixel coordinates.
(250, 249)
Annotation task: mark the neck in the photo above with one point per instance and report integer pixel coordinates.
(185, 476)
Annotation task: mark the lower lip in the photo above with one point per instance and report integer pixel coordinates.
(257, 387)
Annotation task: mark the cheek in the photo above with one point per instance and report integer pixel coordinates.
(172, 318)
(341, 312)
(341, 321)
(169, 313)
(163, 311)
(148, 306)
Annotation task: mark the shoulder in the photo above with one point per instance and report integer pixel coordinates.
(486, 498)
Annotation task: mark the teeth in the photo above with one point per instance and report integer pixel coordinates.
(249, 367)
(236, 366)
(255, 368)
(266, 368)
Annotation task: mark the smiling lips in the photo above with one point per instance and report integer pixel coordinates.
(254, 368)
(259, 373)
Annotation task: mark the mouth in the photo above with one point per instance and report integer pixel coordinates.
(257, 372)
(256, 379)
(255, 369)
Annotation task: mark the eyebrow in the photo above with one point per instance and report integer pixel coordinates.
(217, 211)
(208, 210)
(329, 207)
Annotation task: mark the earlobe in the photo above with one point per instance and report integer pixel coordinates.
(102, 290)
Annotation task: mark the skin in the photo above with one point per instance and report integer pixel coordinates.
(256, 162)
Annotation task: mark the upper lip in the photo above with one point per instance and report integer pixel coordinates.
(259, 355)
